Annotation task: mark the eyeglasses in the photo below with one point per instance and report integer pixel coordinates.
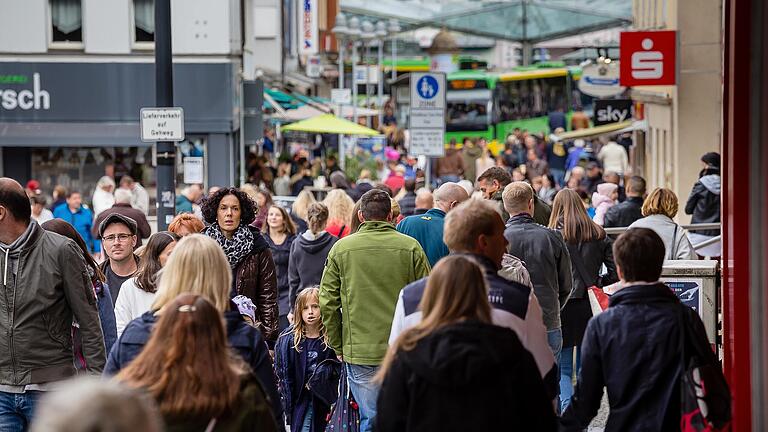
(119, 237)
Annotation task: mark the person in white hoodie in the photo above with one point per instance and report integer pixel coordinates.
(103, 197)
(137, 293)
(659, 209)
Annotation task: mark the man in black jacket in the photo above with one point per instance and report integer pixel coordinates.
(46, 286)
(623, 214)
(408, 201)
(634, 348)
(546, 257)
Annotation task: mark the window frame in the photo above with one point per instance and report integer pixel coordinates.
(64, 45)
(138, 45)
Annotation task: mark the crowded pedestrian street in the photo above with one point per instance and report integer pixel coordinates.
(390, 216)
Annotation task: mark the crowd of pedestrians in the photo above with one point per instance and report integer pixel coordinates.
(461, 308)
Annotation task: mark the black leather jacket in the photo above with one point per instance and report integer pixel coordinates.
(586, 261)
(623, 214)
(704, 202)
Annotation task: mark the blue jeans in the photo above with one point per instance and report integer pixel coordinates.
(566, 374)
(308, 419)
(365, 391)
(559, 176)
(555, 339)
(16, 410)
(449, 179)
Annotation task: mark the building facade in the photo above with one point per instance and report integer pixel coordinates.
(74, 75)
(684, 121)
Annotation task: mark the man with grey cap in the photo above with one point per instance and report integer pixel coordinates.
(427, 228)
(118, 237)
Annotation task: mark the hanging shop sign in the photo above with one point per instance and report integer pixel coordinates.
(601, 80)
(308, 28)
(648, 58)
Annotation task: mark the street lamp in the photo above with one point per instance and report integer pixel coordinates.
(394, 29)
(340, 30)
(368, 34)
(381, 34)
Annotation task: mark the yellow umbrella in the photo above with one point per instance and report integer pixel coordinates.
(328, 123)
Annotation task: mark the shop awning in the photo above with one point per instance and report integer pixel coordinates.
(71, 134)
(609, 129)
(328, 123)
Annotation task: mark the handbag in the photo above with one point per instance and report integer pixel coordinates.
(705, 400)
(345, 413)
(324, 381)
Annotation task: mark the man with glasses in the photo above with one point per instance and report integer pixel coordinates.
(118, 235)
(427, 228)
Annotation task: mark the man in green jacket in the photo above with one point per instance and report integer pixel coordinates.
(363, 276)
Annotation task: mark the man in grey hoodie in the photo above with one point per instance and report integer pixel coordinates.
(45, 287)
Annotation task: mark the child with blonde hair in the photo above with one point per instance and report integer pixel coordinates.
(306, 367)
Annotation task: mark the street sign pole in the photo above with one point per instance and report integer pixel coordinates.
(166, 150)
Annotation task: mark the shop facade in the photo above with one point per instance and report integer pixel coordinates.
(71, 123)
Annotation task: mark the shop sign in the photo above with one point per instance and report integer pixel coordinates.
(23, 98)
(193, 170)
(308, 28)
(162, 124)
(314, 68)
(648, 58)
(612, 111)
(601, 80)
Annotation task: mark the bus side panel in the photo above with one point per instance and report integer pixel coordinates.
(533, 125)
(459, 136)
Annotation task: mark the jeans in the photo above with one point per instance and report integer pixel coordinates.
(365, 391)
(555, 339)
(559, 176)
(566, 374)
(308, 419)
(449, 179)
(16, 410)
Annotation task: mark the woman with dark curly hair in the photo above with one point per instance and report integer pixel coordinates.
(230, 212)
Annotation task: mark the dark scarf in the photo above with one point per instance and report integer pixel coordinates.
(237, 248)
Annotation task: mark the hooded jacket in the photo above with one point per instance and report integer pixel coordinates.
(434, 386)
(633, 349)
(469, 155)
(602, 204)
(704, 202)
(675, 238)
(45, 276)
(246, 341)
(307, 260)
(548, 261)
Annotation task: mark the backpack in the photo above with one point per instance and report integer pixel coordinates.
(705, 400)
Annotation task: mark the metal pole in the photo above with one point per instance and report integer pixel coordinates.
(367, 60)
(166, 150)
(380, 78)
(354, 81)
(341, 63)
(394, 58)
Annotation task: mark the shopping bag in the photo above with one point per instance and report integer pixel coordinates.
(598, 300)
(345, 414)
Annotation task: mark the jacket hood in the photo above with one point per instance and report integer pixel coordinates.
(712, 183)
(312, 247)
(598, 199)
(459, 355)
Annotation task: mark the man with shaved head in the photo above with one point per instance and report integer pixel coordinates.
(46, 285)
(424, 201)
(427, 228)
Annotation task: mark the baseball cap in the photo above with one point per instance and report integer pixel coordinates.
(117, 218)
(33, 185)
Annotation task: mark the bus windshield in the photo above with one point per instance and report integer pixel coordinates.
(467, 112)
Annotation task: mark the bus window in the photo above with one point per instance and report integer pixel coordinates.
(467, 115)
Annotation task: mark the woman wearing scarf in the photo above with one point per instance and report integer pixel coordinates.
(230, 212)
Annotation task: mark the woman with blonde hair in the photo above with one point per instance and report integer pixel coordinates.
(299, 210)
(455, 370)
(198, 266)
(339, 213)
(659, 210)
(589, 250)
(187, 368)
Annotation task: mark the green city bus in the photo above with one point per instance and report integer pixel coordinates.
(492, 104)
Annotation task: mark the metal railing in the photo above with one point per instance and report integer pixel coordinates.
(689, 227)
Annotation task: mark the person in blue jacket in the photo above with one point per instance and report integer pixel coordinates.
(198, 266)
(306, 367)
(80, 217)
(427, 228)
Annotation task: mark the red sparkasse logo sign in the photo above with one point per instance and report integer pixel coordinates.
(648, 58)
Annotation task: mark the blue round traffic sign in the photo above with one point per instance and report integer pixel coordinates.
(427, 87)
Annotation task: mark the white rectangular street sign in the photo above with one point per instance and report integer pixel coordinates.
(162, 124)
(427, 114)
(193, 170)
(341, 96)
